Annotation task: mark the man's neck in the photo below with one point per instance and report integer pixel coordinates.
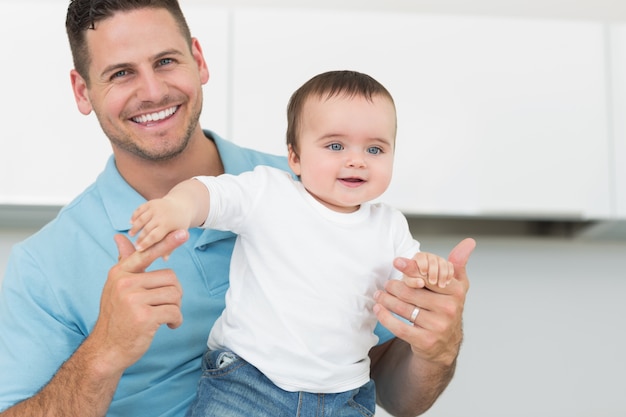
(153, 179)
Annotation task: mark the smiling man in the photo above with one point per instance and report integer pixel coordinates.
(82, 314)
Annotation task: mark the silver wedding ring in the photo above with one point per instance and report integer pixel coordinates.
(414, 314)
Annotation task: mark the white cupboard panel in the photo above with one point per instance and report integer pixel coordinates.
(50, 151)
(497, 117)
(617, 42)
(212, 28)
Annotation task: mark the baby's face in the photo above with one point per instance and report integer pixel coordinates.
(345, 149)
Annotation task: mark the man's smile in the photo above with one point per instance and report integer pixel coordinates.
(156, 116)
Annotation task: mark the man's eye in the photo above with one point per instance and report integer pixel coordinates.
(335, 147)
(119, 74)
(374, 150)
(165, 61)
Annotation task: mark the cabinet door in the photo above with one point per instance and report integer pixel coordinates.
(496, 116)
(211, 26)
(50, 151)
(617, 40)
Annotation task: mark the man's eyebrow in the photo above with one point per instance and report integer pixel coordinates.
(122, 65)
(114, 68)
(166, 53)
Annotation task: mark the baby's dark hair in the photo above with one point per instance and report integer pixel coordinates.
(327, 85)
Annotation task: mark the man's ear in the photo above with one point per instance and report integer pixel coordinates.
(294, 160)
(198, 56)
(79, 87)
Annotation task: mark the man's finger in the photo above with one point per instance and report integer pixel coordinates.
(125, 247)
(138, 261)
(407, 266)
(460, 255)
(411, 271)
(461, 252)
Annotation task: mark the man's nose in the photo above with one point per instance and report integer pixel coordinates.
(152, 87)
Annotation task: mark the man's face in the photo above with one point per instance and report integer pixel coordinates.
(145, 83)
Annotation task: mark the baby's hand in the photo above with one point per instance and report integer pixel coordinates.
(434, 270)
(152, 221)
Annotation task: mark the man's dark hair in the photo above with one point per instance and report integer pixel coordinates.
(83, 15)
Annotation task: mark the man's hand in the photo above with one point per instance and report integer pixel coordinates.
(412, 370)
(135, 303)
(436, 332)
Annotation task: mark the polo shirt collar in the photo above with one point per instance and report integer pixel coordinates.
(120, 199)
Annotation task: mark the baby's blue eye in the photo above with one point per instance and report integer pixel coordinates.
(374, 150)
(335, 147)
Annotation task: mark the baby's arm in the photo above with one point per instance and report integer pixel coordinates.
(434, 269)
(185, 206)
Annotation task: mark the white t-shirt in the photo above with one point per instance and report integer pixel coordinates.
(302, 279)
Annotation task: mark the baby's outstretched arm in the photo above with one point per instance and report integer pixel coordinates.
(434, 269)
(185, 206)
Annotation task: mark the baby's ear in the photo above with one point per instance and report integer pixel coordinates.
(294, 160)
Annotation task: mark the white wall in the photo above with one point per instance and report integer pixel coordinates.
(544, 330)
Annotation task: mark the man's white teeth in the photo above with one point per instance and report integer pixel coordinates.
(155, 117)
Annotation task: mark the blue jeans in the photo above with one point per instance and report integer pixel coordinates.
(231, 387)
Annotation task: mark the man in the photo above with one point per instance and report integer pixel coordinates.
(74, 343)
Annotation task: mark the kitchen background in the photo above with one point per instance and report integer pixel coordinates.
(511, 130)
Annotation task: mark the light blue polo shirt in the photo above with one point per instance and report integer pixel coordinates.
(50, 296)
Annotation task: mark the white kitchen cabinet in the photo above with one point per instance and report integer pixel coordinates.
(50, 151)
(617, 43)
(497, 117)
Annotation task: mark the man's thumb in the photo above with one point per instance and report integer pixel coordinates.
(125, 247)
(460, 253)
